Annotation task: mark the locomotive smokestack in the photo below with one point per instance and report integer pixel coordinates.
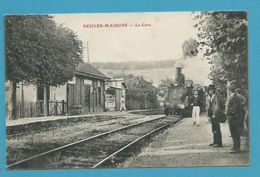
(178, 75)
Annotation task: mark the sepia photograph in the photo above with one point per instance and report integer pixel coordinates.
(126, 90)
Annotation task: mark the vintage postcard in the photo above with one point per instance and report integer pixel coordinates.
(123, 90)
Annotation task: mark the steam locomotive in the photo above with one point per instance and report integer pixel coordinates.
(179, 94)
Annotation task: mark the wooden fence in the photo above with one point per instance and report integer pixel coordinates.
(36, 109)
(26, 109)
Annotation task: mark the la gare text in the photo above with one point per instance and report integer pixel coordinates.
(116, 25)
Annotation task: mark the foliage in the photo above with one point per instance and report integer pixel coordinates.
(138, 88)
(223, 38)
(165, 83)
(38, 52)
(190, 48)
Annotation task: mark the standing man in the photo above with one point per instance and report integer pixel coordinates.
(208, 95)
(196, 103)
(243, 102)
(122, 103)
(235, 118)
(216, 107)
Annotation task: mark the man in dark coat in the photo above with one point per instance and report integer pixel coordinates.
(243, 102)
(235, 118)
(216, 106)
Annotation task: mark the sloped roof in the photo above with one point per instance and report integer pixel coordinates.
(87, 70)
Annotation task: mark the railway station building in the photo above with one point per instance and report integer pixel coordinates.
(83, 94)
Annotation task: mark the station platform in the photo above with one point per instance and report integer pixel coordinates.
(186, 145)
(30, 120)
(38, 123)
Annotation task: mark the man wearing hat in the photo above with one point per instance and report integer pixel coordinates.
(216, 106)
(235, 117)
(196, 106)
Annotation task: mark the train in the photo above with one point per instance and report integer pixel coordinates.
(178, 96)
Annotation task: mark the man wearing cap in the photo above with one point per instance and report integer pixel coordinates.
(196, 106)
(234, 115)
(216, 106)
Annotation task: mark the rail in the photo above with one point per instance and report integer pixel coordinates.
(12, 165)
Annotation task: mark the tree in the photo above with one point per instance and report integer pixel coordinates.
(223, 38)
(190, 48)
(164, 85)
(38, 52)
(139, 89)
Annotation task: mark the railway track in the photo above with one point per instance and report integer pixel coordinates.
(79, 121)
(23, 147)
(102, 150)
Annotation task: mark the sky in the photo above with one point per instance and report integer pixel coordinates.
(160, 38)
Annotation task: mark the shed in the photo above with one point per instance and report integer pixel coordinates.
(86, 91)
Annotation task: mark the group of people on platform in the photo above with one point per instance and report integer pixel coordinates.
(234, 109)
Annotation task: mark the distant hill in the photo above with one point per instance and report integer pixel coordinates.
(154, 75)
(133, 65)
(196, 69)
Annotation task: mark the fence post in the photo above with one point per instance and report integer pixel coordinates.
(62, 108)
(56, 107)
(31, 109)
(45, 106)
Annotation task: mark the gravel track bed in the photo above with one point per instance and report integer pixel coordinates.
(22, 147)
(87, 154)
